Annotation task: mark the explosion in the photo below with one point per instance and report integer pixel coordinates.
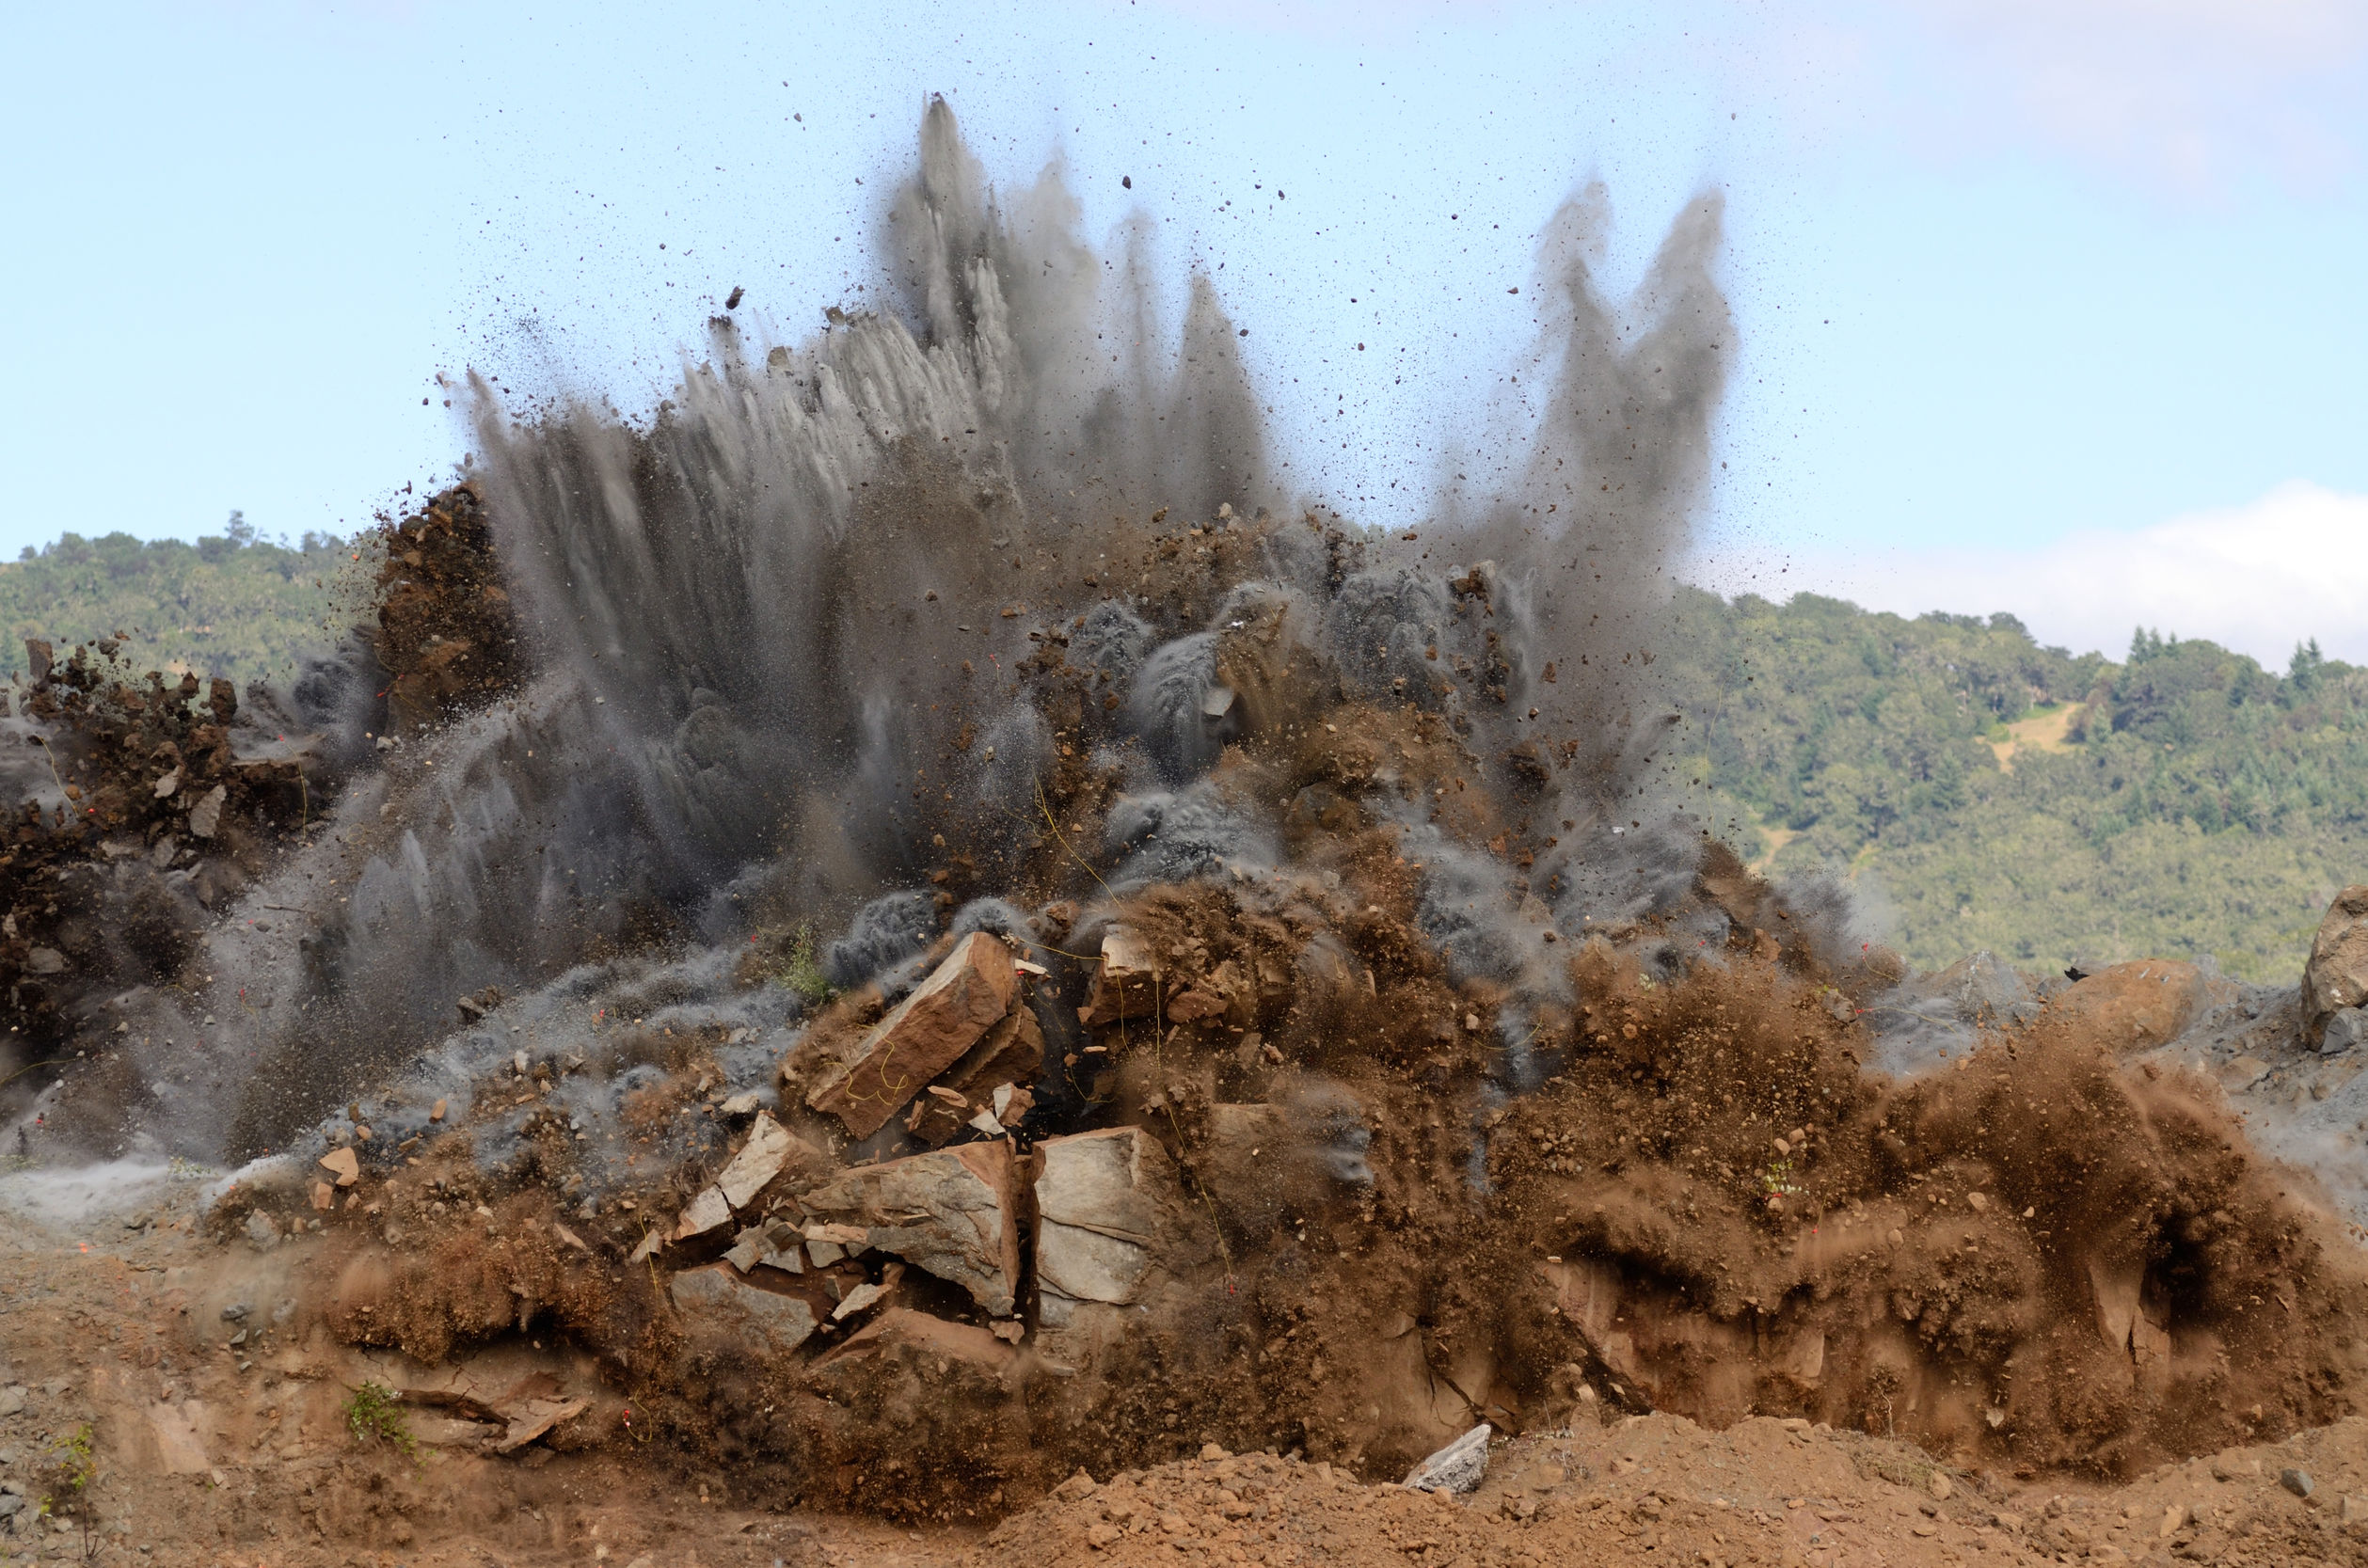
(937, 925)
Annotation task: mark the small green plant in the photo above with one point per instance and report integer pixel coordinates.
(802, 971)
(1777, 1178)
(374, 1414)
(73, 1465)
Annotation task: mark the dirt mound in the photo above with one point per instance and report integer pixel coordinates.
(1659, 1489)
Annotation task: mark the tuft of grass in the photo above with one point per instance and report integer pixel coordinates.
(374, 1414)
(802, 971)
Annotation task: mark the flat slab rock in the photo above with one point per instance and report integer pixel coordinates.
(943, 1345)
(1460, 1467)
(717, 1301)
(953, 1212)
(1105, 1206)
(927, 1033)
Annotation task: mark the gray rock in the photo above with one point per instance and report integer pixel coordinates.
(262, 1231)
(2346, 1028)
(11, 1399)
(9, 1504)
(2297, 1481)
(1458, 1468)
(715, 1300)
(236, 1311)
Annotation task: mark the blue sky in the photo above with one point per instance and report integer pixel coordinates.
(2048, 308)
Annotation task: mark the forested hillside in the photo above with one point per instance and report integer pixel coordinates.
(1979, 790)
(1983, 791)
(232, 604)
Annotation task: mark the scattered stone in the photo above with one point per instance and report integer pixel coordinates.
(1939, 1486)
(938, 1349)
(1076, 1489)
(865, 1296)
(344, 1165)
(324, 1195)
(717, 1300)
(570, 1237)
(2346, 1028)
(262, 1231)
(435, 1113)
(2242, 1072)
(206, 814)
(1459, 1467)
(235, 1312)
(2297, 1481)
(11, 1399)
(926, 1034)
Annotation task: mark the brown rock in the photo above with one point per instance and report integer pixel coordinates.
(1011, 1053)
(717, 1302)
(953, 1212)
(1126, 985)
(899, 1333)
(343, 1164)
(928, 1032)
(2336, 976)
(529, 1418)
(2134, 1007)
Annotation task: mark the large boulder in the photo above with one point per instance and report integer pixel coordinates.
(927, 1033)
(2337, 975)
(954, 1212)
(1113, 1228)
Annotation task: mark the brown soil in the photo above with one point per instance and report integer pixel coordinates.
(209, 1453)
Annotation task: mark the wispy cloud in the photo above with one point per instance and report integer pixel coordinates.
(2257, 578)
(2197, 96)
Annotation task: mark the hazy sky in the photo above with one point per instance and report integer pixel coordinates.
(2044, 307)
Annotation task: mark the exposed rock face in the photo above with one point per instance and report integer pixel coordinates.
(953, 1212)
(927, 1033)
(2336, 976)
(2136, 1006)
(1111, 1229)
(716, 1301)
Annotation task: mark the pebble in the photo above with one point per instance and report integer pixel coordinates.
(2297, 1481)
